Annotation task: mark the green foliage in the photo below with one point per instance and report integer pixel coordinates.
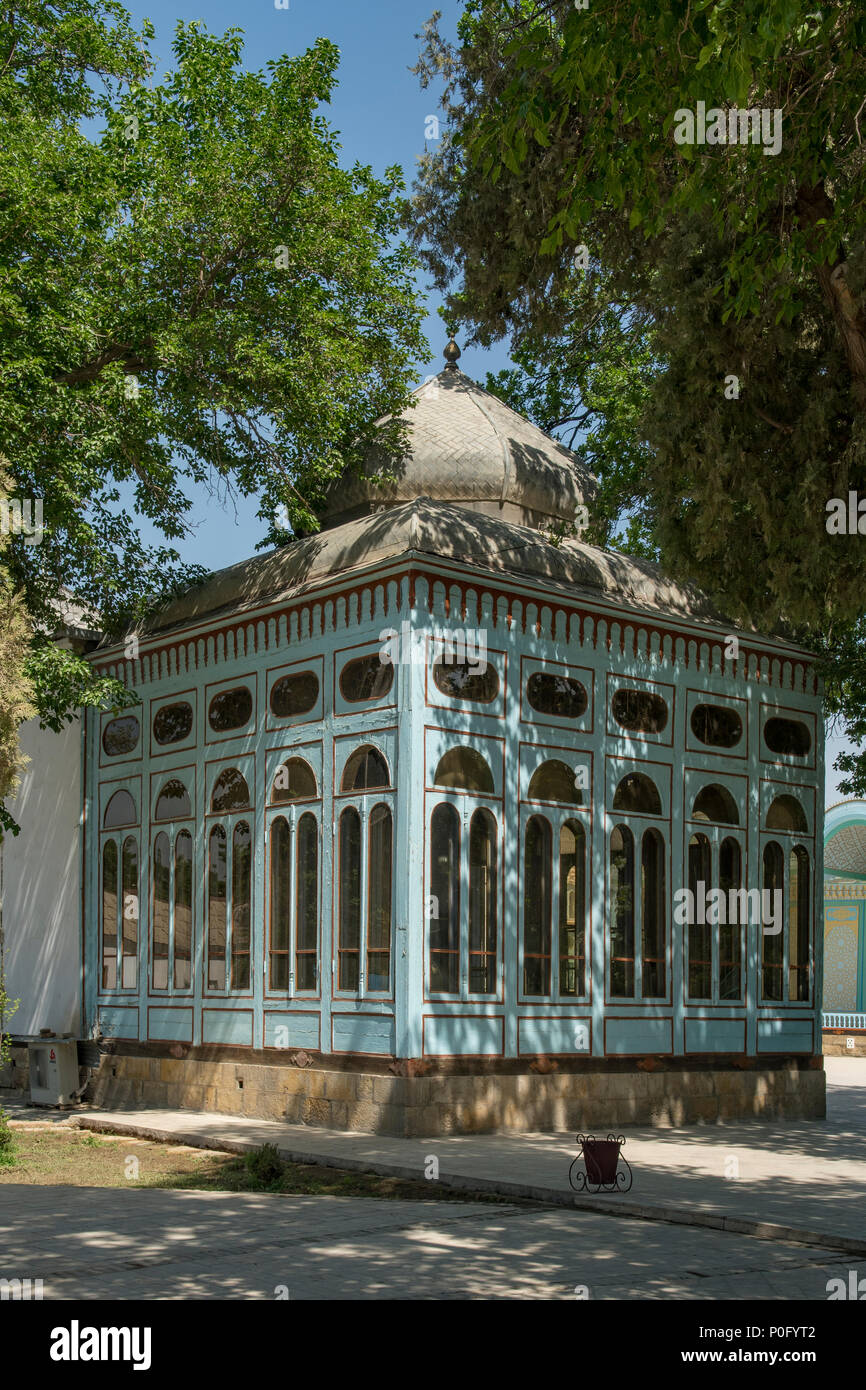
(7, 1009)
(733, 262)
(264, 1165)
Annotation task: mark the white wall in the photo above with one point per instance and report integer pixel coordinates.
(42, 885)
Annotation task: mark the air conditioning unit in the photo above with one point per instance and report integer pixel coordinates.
(53, 1071)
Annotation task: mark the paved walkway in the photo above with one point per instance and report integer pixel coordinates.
(803, 1180)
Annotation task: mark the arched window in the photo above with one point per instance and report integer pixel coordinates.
(772, 942)
(161, 899)
(730, 934)
(217, 899)
(462, 680)
(716, 726)
(464, 769)
(788, 736)
(700, 971)
(120, 736)
(562, 696)
(366, 678)
(572, 909)
(120, 811)
(109, 915)
(172, 723)
(554, 781)
(637, 795)
(622, 908)
(537, 877)
(230, 709)
(482, 903)
(715, 803)
(366, 770)
(295, 781)
(173, 802)
(445, 900)
(307, 903)
(640, 711)
(653, 916)
(786, 813)
(182, 937)
(295, 694)
(799, 918)
(230, 792)
(242, 856)
(281, 889)
(379, 900)
(129, 915)
(349, 941)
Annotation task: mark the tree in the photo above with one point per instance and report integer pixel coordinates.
(199, 293)
(744, 262)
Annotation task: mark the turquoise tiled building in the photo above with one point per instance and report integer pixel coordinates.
(845, 927)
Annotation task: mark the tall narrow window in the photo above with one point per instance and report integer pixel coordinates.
(798, 925)
(280, 899)
(482, 903)
(652, 915)
(109, 915)
(217, 888)
(161, 909)
(241, 905)
(445, 904)
(572, 909)
(183, 910)
(349, 942)
(307, 903)
(622, 908)
(730, 936)
(700, 974)
(379, 900)
(537, 890)
(772, 943)
(129, 915)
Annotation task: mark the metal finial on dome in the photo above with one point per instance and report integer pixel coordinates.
(452, 352)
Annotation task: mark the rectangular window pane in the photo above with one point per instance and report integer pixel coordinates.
(109, 915)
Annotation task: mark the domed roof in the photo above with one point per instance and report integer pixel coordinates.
(467, 448)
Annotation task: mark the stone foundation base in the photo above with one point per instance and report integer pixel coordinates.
(596, 1097)
(836, 1044)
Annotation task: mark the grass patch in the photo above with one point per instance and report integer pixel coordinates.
(64, 1157)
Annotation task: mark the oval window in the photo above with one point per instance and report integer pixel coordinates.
(172, 723)
(787, 736)
(293, 695)
(231, 709)
(642, 711)
(121, 735)
(463, 681)
(716, 726)
(561, 696)
(366, 678)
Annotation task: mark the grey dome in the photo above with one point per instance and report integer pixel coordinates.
(467, 448)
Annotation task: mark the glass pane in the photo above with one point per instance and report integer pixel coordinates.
(173, 802)
(217, 880)
(120, 735)
(280, 890)
(561, 696)
(640, 710)
(349, 945)
(119, 811)
(572, 909)
(730, 936)
(130, 914)
(538, 868)
(379, 900)
(444, 903)
(637, 795)
(798, 925)
(555, 781)
(622, 906)
(482, 904)
(716, 726)
(241, 905)
(231, 709)
(230, 792)
(295, 781)
(788, 736)
(365, 770)
(293, 695)
(172, 723)
(161, 898)
(465, 770)
(772, 944)
(700, 974)
(463, 681)
(715, 804)
(109, 915)
(653, 916)
(366, 678)
(786, 813)
(307, 906)
(183, 910)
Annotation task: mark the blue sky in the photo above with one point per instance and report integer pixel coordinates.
(379, 110)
